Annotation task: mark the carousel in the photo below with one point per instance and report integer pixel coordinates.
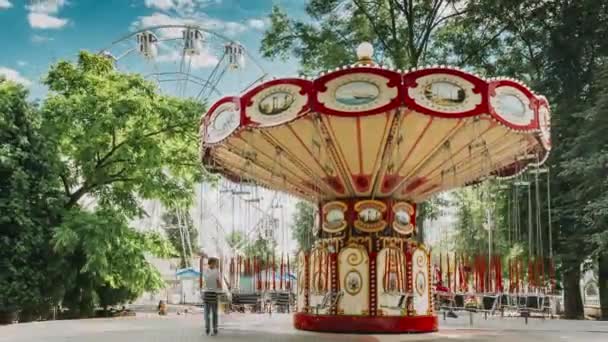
(367, 143)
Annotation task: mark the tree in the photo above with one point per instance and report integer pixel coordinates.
(105, 260)
(120, 138)
(175, 225)
(303, 223)
(120, 141)
(260, 247)
(402, 31)
(29, 202)
(588, 163)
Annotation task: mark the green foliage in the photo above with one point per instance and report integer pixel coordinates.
(171, 226)
(105, 258)
(588, 163)
(121, 139)
(29, 205)
(105, 135)
(260, 247)
(303, 222)
(401, 31)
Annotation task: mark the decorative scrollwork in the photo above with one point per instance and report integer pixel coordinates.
(355, 257)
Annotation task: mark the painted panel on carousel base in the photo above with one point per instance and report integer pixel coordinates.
(421, 282)
(391, 282)
(319, 279)
(353, 266)
(302, 289)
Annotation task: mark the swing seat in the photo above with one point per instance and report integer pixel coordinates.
(282, 300)
(243, 300)
(488, 302)
(534, 303)
(330, 299)
(459, 301)
(401, 302)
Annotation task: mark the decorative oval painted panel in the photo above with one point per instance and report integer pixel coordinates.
(370, 216)
(420, 283)
(357, 93)
(353, 282)
(276, 103)
(223, 122)
(402, 217)
(444, 93)
(512, 106)
(334, 218)
(402, 222)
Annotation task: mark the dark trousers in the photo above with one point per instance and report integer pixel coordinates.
(210, 310)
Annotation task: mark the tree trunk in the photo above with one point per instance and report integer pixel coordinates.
(573, 303)
(603, 285)
(420, 233)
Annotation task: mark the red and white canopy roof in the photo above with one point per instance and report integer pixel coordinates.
(366, 131)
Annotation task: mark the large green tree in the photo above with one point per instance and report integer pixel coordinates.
(587, 162)
(29, 203)
(102, 135)
(105, 260)
(402, 31)
(120, 138)
(120, 141)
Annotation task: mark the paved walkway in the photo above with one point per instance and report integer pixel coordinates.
(240, 327)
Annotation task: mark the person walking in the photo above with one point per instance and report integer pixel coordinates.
(213, 286)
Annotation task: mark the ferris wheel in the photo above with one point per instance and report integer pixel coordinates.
(187, 60)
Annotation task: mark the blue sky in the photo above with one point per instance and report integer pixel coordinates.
(37, 33)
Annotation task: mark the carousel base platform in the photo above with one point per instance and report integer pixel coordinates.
(365, 324)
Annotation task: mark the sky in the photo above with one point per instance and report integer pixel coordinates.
(37, 33)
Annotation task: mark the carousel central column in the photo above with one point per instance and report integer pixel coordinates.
(379, 277)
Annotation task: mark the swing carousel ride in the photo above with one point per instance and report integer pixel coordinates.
(367, 143)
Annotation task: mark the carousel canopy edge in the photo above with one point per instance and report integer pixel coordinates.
(355, 91)
(339, 135)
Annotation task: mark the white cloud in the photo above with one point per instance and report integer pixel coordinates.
(21, 63)
(204, 60)
(257, 24)
(42, 14)
(4, 4)
(229, 28)
(181, 7)
(159, 19)
(46, 6)
(14, 75)
(41, 20)
(160, 4)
